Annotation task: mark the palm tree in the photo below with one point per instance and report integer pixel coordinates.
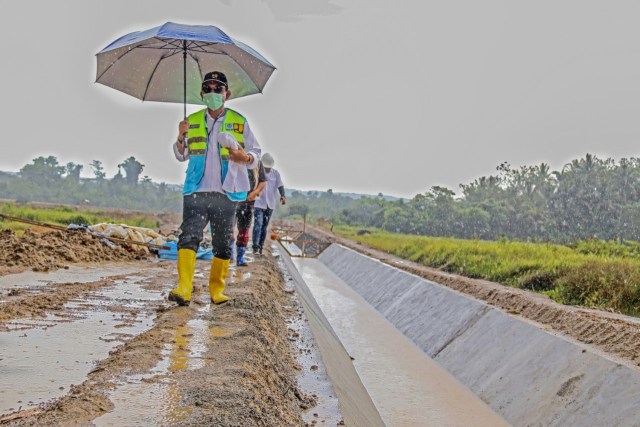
(133, 169)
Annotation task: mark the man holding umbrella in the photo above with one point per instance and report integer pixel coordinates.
(216, 141)
(220, 147)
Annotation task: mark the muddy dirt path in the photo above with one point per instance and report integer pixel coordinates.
(616, 335)
(230, 365)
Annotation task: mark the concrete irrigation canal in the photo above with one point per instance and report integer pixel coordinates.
(339, 338)
(429, 355)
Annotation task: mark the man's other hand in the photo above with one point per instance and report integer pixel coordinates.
(252, 196)
(238, 156)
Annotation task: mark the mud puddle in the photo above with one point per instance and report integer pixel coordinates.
(157, 397)
(154, 398)
(200, 365)
(37, 281)
(40, 359)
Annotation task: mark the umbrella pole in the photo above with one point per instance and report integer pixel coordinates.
(184, 87)
(184, 69)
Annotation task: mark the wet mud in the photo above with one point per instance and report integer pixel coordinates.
(37, 296)
(45, 355)
(149, 362)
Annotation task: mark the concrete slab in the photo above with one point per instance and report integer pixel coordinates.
(526, 374)
(421, 310)
(535, 378)
(376, 285)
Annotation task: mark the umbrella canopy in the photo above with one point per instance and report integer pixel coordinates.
(167, 63)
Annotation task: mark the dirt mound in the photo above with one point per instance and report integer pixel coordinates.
(53, 250)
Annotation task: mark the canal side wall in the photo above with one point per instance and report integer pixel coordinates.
(356, 405)
(527, 375)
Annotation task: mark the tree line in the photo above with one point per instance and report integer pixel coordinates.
(589, 198)
(46, 180)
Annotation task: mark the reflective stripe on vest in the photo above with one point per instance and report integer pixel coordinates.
(197, 142)
(233, 123)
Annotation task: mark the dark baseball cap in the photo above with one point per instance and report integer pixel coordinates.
(216, 76)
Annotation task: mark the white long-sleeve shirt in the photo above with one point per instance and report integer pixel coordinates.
(212, 178)
(270, 194)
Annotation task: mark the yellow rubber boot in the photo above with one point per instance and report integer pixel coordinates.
(219, 269)
(186, 269)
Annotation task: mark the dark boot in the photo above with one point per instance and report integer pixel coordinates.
(240, 251)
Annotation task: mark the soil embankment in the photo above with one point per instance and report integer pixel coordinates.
(52, 250)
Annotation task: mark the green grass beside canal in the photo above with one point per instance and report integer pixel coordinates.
(596, 274)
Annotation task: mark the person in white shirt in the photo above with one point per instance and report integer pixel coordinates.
(220, 147)
(266, 203)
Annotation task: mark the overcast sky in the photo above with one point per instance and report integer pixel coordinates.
(369, 96)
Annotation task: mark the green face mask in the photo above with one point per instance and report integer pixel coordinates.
(213, 100)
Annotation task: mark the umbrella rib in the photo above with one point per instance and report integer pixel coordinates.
(169, 55)
(167, 45)
(131, 50)
(113, 63)
(240, 67)
(158, 64)
(176, 43)
(151, 76)
(173, 42)
(198, 64)
(202, 45)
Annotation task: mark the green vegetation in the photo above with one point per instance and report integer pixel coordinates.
(65, 215)
(604, 275)
(588, 198)
(572, 234)
(46, 180)
(585, 218)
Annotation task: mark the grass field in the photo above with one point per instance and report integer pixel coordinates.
(65, 215)
(595, 273)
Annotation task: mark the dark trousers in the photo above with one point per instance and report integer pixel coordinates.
(200, 209)
(260, 225)
(244, 215)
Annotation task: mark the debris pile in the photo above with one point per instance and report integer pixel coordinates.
(134, 234)
(55, 249)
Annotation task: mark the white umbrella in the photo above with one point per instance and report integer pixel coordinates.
(167, 63)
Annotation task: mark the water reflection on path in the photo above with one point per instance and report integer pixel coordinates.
(40, 359)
